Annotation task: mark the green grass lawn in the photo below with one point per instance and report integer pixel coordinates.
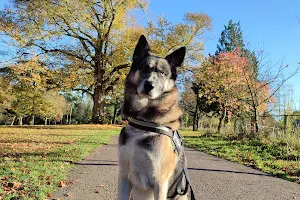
(34, 161)
(274, 157)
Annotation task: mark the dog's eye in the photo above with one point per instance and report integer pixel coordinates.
(162, 73)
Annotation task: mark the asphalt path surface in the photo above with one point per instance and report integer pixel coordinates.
(95, 177)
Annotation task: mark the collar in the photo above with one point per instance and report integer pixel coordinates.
(151, 126)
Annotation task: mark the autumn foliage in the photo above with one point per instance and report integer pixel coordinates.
(229, 79)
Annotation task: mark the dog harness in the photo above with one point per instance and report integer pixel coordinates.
(180, 181)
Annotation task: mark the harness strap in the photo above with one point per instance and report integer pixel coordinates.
(154, 127)
(150, 126)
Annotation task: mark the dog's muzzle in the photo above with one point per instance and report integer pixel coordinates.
(147, 87)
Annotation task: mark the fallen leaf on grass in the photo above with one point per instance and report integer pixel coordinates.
(49, 195)
(61, 184)
(15, 185)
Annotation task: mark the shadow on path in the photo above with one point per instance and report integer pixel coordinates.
(228, 171)
(97, 164)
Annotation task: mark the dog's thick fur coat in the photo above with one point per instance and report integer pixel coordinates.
(147, 160)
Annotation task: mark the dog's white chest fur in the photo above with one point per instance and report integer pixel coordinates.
(141, 102)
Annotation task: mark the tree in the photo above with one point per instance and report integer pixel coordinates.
(188, 103)
(203, 104)
(262, 86)
(231, 38)
(219, 84)
(85, 40)
(28, 82)
(55, 108)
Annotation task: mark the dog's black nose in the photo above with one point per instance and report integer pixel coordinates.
(147, 87)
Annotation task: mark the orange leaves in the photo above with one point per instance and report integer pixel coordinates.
(226, 78)
(61, 184)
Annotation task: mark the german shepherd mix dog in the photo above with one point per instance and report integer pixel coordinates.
(151, 162)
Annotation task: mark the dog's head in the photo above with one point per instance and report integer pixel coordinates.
(154, 75)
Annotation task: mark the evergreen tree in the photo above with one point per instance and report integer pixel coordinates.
(231, 38)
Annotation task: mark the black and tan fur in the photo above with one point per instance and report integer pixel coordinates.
(146, 159)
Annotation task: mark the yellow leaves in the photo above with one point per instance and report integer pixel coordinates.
(54, 106)
(166, 37)
(6, 96)
(31, 73)
(201, 20)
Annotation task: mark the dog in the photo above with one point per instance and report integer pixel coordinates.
(148, 160)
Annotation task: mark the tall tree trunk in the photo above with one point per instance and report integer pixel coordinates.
(20, 121)
(198, 121)
(98, 96)
(285, 120)
(195, 120)
(255, 119)
(115, 113)
(32, 120)
(45, 121)
(98, 106)
(13, 121)
(221, 119)
(70, 118)
(67, 122)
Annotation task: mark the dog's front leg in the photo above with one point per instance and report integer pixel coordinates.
(125, 188)
(161, 191)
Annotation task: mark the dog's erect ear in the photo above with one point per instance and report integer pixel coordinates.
(176, 58)
(142, 49)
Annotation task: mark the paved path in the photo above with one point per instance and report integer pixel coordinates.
(95, 177)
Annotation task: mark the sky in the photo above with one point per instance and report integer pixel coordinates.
(269, 25)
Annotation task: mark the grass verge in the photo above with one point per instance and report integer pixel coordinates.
(273, 157)
(34, 161)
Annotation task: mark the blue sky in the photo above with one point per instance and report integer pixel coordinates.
(268, 25)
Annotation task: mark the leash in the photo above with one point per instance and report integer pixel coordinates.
(175, 137)
(185, 170)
